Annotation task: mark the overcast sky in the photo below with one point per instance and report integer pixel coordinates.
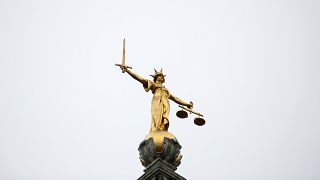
(251, 67)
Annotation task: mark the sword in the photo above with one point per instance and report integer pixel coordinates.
(123, 65)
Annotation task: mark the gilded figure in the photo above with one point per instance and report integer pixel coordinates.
(160, 106)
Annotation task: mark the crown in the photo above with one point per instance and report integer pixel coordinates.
(156, 73)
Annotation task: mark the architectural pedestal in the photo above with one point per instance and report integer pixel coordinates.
(160, 170)
(160, 154)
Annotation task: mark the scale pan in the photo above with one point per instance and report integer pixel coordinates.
(182, 114)
(199, 121)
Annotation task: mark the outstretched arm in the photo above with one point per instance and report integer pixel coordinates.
(179, 101)
(143, 81)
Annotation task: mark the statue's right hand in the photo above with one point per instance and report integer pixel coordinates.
(123, 69)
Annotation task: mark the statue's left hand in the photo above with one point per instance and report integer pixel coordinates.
(190, 106)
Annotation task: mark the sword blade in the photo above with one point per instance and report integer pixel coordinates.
(123, 65)
(123, 52)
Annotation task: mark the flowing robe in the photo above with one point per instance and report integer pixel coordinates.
(159, 106)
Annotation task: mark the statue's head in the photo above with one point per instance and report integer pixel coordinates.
(158, 76)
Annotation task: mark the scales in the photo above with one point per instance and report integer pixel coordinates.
(199, 121)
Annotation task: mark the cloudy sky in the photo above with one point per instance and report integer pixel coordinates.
(251, 67)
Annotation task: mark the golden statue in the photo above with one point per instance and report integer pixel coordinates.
(160, 106)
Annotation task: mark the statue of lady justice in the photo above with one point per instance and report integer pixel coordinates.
(160, 106)
(165, 144)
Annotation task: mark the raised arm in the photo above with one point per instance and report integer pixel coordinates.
(179, 101)
(143, 81)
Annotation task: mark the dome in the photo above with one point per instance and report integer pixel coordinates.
(160, 144)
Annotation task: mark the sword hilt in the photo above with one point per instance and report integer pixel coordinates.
(123, 66)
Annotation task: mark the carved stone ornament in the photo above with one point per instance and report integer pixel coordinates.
(161, 145)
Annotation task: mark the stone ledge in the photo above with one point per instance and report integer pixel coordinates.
(160, 169)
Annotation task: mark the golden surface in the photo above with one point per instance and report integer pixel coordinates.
(123, 65)
(158, 137)
(191, 111)
(160, 106)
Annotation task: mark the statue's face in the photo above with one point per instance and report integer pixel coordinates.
(160, 79)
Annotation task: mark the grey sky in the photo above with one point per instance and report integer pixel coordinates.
(251, 67)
